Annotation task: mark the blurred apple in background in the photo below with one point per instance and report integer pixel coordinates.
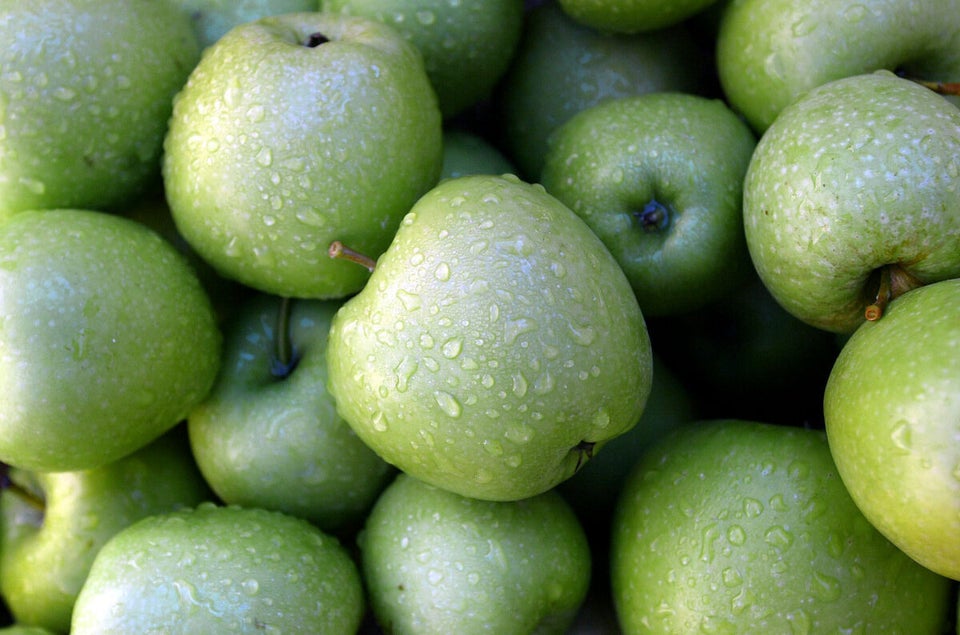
(86, 88)
(561, 67)
(437, 562)
(466, 153)
(851, 198)
(466, 46)
(892, 416)
(771, 52)
(744, 527)
(497, 345)
(107, 339)
(659, 178)
(211, 19)
(47, 551)
(220, 569)
(287, 137)
(269, 435)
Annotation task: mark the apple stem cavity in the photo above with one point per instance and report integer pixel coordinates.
(654, 217)
(8, 484)
(316, 39)
(584, 451)
(894, 282)
(339, 250)
(286, 358)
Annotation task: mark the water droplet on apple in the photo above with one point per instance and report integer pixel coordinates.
(256, 113)
(410, 301)
(583, 335)
(34, 185)
(515, 328)
(493, 448)
(250, 586)
(452, 347)
(855, 13)
(778, 537)
(426, 18)
(544, 383)
(826, 587)
(64, 94)
(752, 507)
(264, 156)
(901, 436)
(473, 578)
(405, 370)
(442, 272)
(448, 404)
(379, 421)
(731, 577)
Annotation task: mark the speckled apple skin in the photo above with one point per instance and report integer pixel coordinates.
(861, 173)
(734, 526)
(892, 414)
(438, 562)
(496, 334)
(771, 52)
(221, 569)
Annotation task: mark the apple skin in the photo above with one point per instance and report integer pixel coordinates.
(562, 67)
(108, 339)
(273, 439)
(219, 569)
(45, 556)
(438, 562)
(86, 90)
(683, 155)
(771, 52)
(633, 16)
(466, 152)
(892, 415)
(856, 177)
(496, 340)
(736, 526)
(211, 19)
(466, 46)
(266, 164)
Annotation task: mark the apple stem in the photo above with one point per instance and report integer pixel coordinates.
(894, 282)
(339, 250)
(653, 217)
(941, 88)
(8, 484)
(584, 453)
(285, 360)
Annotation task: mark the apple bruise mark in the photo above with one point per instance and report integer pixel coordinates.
(892, 281)
(654, 217)
(316, 39)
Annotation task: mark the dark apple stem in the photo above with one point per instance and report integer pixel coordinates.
(8, 484)
(285, 359)
(339, 250)
(584, 453)
(942, 88)
(653, 217)
(894, 282)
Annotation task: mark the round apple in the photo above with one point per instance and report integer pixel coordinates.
(851, 198)
(107, 339)
(659, 178)
(771, 52)
(85, 93)
(731, 526)
(892, 415)
(221, 569)
(268, 435)
(632, 16)
(295, 131)
(438, 562)
(497, 345)
(211, 19)
(466, 152)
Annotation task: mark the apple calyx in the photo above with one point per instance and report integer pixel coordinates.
(286, 357)
(654, 217)
(584, 450)
(8, 484)
(338, 250)
(316, 39)
(894, 282)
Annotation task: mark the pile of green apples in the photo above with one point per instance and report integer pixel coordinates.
(479, 316)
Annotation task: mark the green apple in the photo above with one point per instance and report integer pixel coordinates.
(496, 346)
(892, 415)
(771, 52)
(107, 339)
(732, 526)
(466, 152)
(659, 178)
(220, 569)
(295, 131)
(211, 19)
(85, 93)
(23, 629)
(852, 196)
(437, 562)
(466, 46)
(269, 435)
(46, 553)
(633, 16)
(561, 67)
